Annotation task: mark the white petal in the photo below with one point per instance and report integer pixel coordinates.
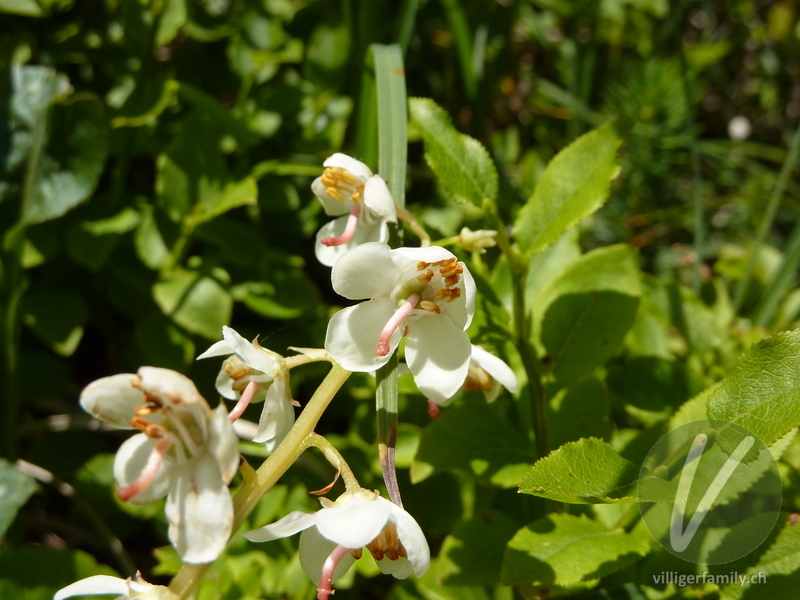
(131, 459)
(354, 332)
(285, 527)
(277, 416)
(400, 568)
(348, 163)
(427, 254)
(169, 386)
(224, 385)
(437, 353)
(315, 550)
(496, 367)
(223, 443)
(200, 511)
(354, 521)
(93, 586)
(113, 399)
(331, 206)
(312, 353)
(257, 358)
(220, 348)
(413, 540)
(379, 200)
(365, 232)
(461, 309)
(367, 271)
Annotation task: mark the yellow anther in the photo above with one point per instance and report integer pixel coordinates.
(239, 372)
(430, 306)
(423, 265)
(328, 181)
(356, 197)
(348, 177)
(143, 411)
(477, 379)
(335, 194)
(357, 553)
(140, 423)
(451, 280)
(454, 293)
(426, 276)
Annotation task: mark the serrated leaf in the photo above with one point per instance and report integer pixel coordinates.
(472, 438)
(195, 301)
(15, 489)
(463, 167)
(574, 185)
(565, 549)
(590, 471)
(762, 393)
(582, 316)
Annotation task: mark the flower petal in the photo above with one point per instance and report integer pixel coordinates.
(413, 540)
(224, 384)
(285, 527)
(277, 415)
(220, 348)
(93, 586)
(131, 459)
(199, 510)
(379, 199)
(223, 443)
(113, 399)
(400, 568)
(496, 367)
(437, 352)
(365, 232)
(404, 256)
(169, 386)
(367, 271)
(348, 163)
(353, 333)
(257, 358)
(331, 206)
(315, 550)
(354, 521)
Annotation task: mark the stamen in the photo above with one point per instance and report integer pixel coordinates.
(425, 276)
(325, 588)
(244, 401)
(423, 265)
(382, 348)
(327, 180)
(335, 194)
(451, 280)
(357, 553)
(352, 222)
(148, 474)
(239, 372)
(430, 306)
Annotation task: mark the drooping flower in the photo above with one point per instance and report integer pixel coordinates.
(361, 201)
(252, 363)
(130, 588)
(422, 293)
(489, 373)
(186, 452)
(333, 537)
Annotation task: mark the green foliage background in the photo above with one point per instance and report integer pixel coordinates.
(155, 169)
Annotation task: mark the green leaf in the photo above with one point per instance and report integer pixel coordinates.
(762, 393)
(590, 471)
(163, 344)
(573, 186)
(390, 83)
(15, 489)
(151, 248)
(565, 549)
(38, 567)
(91, 242)
(232, 195)
(579, 411)
(463, 167)
(57, 317)
(582, 316)
(472, 554)
(474, 439)
(195, 300)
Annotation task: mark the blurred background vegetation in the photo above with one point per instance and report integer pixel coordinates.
(155, 168)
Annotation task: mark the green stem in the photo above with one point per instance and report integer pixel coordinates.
(335, 458)
(15, 285)
(386, 413)
(769, 217)
(185, 583)
(178, 248)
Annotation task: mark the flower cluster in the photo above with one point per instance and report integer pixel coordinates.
(187, 452)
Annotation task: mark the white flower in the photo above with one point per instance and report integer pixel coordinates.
(476, 241)
(137, 589)
(361, 200)
(356, 520)
(422, 293)
(252, 363)
(186, 452)
(490, 374)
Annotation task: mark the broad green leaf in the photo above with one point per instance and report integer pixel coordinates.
(147, 102)
(546, 265)
(563, 549)
(151, 248)
(762, 393)
(463, 167)
(232, 195)
(590, 471)
(574, 185)
(57, 316)
(650, 388)
(91, 242)
(195, 300)
(474, 439)
(582, 316)
(579, 411)
(473, 553)
(15, 489)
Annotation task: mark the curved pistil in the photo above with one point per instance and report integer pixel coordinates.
(382, 348)
(148, 474)
(325, 588)
(349, 230)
